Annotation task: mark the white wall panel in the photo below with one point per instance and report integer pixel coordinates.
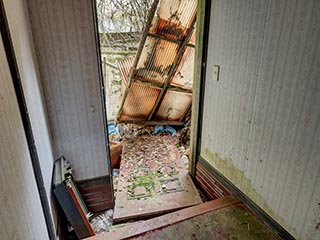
(261, 119)
(28, 69)
(64, 39)
(21, 215)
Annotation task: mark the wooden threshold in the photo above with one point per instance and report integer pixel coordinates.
(138, 228)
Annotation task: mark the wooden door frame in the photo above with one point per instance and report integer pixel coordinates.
(202, 34)
(102, 93)
(202, 28)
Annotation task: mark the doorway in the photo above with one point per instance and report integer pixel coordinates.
(147, 59)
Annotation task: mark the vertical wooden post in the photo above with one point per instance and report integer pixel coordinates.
(104, 68)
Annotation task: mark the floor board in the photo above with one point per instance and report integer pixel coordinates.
(224, 218)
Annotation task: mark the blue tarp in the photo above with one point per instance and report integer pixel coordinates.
(165, 128)
(111, 128)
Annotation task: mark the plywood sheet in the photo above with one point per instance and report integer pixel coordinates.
(153, 179)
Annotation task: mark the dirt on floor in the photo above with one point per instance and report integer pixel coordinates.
(138, 141)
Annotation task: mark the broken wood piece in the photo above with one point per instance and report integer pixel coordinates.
(224, 218)
(115, 154)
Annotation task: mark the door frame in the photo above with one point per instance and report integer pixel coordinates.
(202, 38)
(102, 93)
(202, 28)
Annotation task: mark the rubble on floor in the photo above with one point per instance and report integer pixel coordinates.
(180, 136)
(128, 132)
(102, 222)
(153, 177)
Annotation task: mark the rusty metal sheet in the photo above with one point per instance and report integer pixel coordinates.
(156, 59)
(183, 76)
(139, 102)
(174, 106)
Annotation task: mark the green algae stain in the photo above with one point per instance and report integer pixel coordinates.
(226, 167)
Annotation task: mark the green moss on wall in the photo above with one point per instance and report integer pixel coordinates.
(226, 167)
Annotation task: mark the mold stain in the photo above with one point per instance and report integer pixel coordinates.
(226, 167)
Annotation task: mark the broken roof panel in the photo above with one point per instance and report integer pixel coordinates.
(183, 77)
(174, 106)
(125, 66)
(156, 59)
(193, 38)
(139, 102)
(180, 12)
(157, 84)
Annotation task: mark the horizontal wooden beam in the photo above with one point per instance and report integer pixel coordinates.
(139, 228)
(146, 122)
(158, 36)
(160, 85)
(109, 64)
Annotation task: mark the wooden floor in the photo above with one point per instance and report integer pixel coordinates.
(153, 179)
(224, 218)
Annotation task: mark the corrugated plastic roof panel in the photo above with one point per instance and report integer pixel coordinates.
(156, 59)
(139, 102)
(180, 12)
(125, 66)
(183, 76)
(193, 37)
(174, 106)
(160, 56)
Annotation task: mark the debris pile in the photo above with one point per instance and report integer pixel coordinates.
(102, 222)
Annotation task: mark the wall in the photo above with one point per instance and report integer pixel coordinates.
(261, 119)
(28, 69)
(64, 39)
(21, 215)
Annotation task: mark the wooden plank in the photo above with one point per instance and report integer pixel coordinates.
(209, 183)
(168, 186)
(159, 85)
(230, 222)
(158, 36)
(166, 220)
(142, 122)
